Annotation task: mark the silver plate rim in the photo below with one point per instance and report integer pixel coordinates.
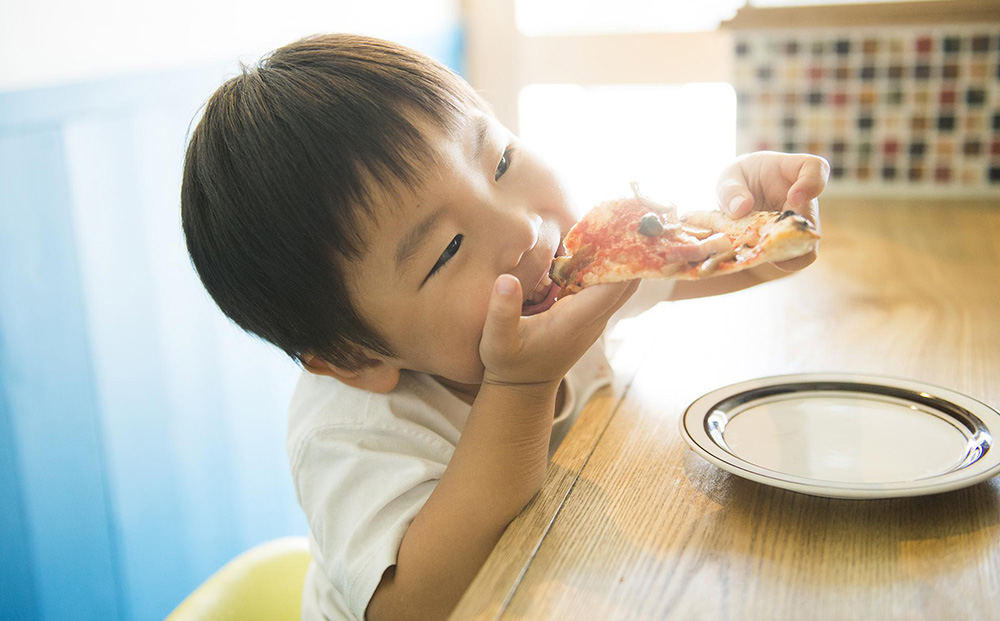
(693, 430)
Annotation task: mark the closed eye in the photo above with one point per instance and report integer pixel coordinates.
(446, 256)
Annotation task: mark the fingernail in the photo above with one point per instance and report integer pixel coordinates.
(735, 204)
(796, 199)
(506, 285)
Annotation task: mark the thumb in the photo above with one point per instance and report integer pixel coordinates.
(734, 196)
(504, 314)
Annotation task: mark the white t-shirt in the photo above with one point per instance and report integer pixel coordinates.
(364, 464)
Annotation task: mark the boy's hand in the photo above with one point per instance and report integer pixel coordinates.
(501, 459)
(768, 180)
(540, 349)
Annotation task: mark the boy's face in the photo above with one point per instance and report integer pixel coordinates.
(487, 207)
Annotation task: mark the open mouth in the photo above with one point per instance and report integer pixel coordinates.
(543, 296)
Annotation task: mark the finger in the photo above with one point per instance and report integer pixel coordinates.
(733, 192)
(594, 304)
(503, 315)
(626, 292)
(735, 197)
(629, 291)
(810, 180)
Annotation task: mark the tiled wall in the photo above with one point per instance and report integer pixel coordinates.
(903, 110)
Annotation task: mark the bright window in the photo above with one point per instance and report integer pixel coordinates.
(672, 139)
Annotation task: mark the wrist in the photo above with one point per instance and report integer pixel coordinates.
(542, 390)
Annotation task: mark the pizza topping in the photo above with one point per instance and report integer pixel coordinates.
(701, 250)
(670, 211)
(634, 237)
(542, 298)
(717, 243)
(713, 262)
(696, 231)
(750, 237)
(650, 225)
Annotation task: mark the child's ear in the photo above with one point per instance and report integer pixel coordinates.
(377, 374)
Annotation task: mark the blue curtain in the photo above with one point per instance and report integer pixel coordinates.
(141, 433)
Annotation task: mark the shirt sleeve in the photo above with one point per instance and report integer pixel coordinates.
(360, 489)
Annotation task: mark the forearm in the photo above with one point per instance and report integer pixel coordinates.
(502, 456)
(498, 465)
(687, 289)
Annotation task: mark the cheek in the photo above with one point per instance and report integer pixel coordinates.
(444, 336)
(461, 326)
(552, 199)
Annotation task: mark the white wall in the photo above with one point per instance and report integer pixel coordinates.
(47, 42)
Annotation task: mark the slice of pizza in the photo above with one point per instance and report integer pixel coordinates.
(632, 238)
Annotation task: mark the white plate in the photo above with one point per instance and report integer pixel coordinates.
(846, 436)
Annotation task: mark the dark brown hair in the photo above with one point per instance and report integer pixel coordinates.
(280, 170)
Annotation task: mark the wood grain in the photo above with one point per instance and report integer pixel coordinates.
(631, 524)
(871, 14)
(493, 587)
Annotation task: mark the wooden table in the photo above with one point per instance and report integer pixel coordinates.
(631, 524)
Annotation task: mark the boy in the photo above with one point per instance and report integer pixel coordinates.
(356, 204)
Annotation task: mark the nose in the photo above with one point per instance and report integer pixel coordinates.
(519, 234)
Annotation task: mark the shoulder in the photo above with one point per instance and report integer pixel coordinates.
(323, 409)
(363, 464)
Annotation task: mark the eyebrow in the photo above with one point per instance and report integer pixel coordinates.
(481, 127)
(412, 241)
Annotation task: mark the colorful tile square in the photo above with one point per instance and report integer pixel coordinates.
(898, 106)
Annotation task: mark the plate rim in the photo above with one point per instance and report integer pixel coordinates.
(989, 464)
